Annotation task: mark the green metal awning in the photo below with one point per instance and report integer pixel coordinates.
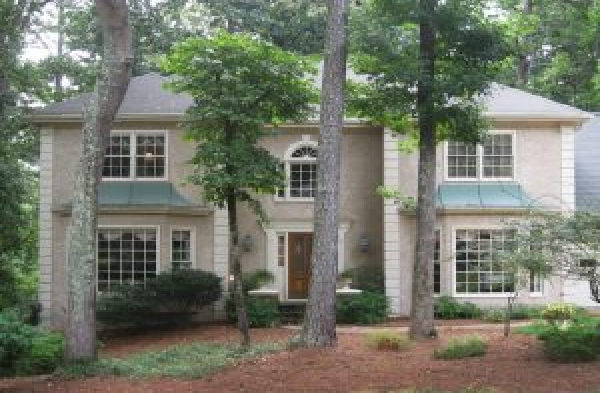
(483, 195)
(126, 193)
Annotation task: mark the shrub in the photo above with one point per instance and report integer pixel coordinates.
(262, 311)
(448, 308)
(45, 354)
(388, 340)
(557, 312)
(182, 291)
(256, 279)
(365, 308)
(367, 278)
(462, 347)
(519, 312)
(574, 344)
(16, 340)
(26, 350)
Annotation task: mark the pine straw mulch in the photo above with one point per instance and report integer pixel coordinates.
(511, 365)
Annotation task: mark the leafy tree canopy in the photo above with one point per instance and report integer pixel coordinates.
(468, 49)
(239, 84)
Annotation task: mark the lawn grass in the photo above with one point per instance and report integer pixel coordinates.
(182, 361)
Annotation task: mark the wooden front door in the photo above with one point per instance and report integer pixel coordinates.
(299, 264)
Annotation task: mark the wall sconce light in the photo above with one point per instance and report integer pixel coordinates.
(247, 243)
(363, 243)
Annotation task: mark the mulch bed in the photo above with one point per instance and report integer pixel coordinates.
(511, 365)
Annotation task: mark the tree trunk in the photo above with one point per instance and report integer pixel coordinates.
(319, 322)
(234, 254)
(524, 64)
(60, 42)
(422, 323)
(236, 269)
(98, 119)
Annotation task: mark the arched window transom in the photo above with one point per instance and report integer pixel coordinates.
(301, 172)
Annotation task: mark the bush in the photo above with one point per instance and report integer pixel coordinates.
(16, 340)
(365, 308)
(557, 312)
(256, 279)
(24, 349)
(388, 340)
(367, 278)
(262, 311)
(462, 347)
(448, 308)
(519, 312)
(574, 344)
(45, 355)
(180, 292)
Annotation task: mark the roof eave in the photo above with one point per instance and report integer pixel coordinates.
(538, 116)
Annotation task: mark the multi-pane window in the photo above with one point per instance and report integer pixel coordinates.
(498, 156)
(281, 249)
(436, 264)
(462, 160)
(478, 268)
(492, 159)
(181, 249)
(301, 173)
(150, 155)
(126, 256)
(536, 284)
(135, 155)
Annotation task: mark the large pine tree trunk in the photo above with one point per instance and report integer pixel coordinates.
(319, 322)
(98, 119)
(422, 323)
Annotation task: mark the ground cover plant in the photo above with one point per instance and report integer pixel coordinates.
(387, 340)
(462, 347)
(194, 360)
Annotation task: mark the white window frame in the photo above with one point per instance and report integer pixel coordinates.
(288, 160)
(158, 244)
(479, 171)
(480, 294)
(440, 254)
(132, 154)
(193, 255)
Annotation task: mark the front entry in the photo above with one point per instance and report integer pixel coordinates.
(299, 264)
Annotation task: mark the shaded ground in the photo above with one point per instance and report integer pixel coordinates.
(511, 365)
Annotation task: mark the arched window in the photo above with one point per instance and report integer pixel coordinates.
(301, 171)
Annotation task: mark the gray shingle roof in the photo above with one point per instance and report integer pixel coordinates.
(146, 96)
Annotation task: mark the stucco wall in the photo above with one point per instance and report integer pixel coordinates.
(538, 167)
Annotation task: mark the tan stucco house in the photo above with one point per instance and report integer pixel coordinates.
(151, 220)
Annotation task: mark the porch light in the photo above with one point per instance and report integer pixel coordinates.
(247, 243)
(363, 243)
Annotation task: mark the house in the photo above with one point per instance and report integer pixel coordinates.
(151, 220)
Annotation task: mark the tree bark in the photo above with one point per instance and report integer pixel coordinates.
(319, 322)
(98, 119)
(234, 254)
(422, 322)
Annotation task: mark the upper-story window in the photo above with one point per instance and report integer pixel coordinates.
(136, 155)
(493, 159)
(301, 172)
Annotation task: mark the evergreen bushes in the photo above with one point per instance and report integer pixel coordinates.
(179, 293)
(366, 308)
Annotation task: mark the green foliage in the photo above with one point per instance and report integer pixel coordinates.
(518, 312)
(183, 361)
(446, 307)
(575, 344)
(367, 278)
(468, 51)
(239, 84)
(25, 350)
(180, 292)
(462, 347)
(365, 308)
(557, 312)
(262, 311)
(256, 279)
(388, 340)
